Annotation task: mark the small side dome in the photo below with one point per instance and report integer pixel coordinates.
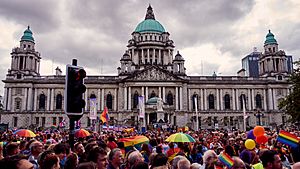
(178, 57)
(270, 39)
(27, 36)
(126, 56)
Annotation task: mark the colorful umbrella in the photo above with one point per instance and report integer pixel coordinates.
(135, 141)
(81, 133)
(180, 137)
(24, 133)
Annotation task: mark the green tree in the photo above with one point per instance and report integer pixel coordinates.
(291, 103)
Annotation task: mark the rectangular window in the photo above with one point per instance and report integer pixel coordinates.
(15, 121)
(43, 121)
(54, 121)
(37, 121)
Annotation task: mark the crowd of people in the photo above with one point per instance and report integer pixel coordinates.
(51, 150)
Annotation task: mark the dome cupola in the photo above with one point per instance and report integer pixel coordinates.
(149, 24)
(270, 39)
(27, 36)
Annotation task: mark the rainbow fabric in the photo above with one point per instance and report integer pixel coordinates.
(226, 159)
(288, 139)
(104, 115)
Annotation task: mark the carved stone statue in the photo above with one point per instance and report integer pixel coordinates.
(159, 104)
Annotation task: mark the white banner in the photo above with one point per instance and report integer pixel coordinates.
(93, 108)
(141, 107)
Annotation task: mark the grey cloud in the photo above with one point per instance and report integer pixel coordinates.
(42, 15)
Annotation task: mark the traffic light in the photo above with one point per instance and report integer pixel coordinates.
(74, 89)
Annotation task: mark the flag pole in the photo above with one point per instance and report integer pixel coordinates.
(244, 111)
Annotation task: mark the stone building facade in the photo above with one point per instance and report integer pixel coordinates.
(151, 68)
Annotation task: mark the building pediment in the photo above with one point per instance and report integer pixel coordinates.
(153, 73)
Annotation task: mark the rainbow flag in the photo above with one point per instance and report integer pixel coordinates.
(226, 159)
(104, 115)
(288, 138)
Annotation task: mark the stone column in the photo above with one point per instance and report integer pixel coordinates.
(148, 55)
(143, 57)
(164, 94)
(115, 100)
(143, 93)
(265, 99)
(159, 56)
(125, 98)
(201, 100)
(102, 99)
(86, 100)
(249, 100)
(5, 98)
(129, 98)
(176, 98)
(25, 100)
(9, 106)
(29, 104)
(274, 100)
(146, 95)
(38, 67)
(98, 99)
(35, 99)
(253, 100)
(221, 99)
(237, 99)
(180, 98)
(205, 100)
(52, 99)
(189, 98)
(218, 99)
(270, 99)
(159, 93)
(233, 100)
(48, 99)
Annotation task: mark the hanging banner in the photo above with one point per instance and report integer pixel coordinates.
(141, 107)
(93, 108)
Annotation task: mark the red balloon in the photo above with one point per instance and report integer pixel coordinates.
(262, 139)
(258, 131)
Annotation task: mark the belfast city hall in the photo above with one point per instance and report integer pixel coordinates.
(151, 68)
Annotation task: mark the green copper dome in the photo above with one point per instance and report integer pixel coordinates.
(270, 39)
(149, 24)
(27, 36)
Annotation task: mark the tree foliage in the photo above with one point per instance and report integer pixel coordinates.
(291, 103)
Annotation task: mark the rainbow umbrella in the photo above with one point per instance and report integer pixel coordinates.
(135, 141)
(180, 137)
(79, 133)
(24, 133)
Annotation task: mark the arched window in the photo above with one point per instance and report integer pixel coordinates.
(170, 98)
(135, 99)
(258, 101)
(59, 101)
(227, 101)
(195, 96)
(18, 103)
(109, 101)
(42, 101)
(211, 101)
(93, 102)
(242, 101)
(152, 94)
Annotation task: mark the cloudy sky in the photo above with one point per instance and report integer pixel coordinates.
(212, 35)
